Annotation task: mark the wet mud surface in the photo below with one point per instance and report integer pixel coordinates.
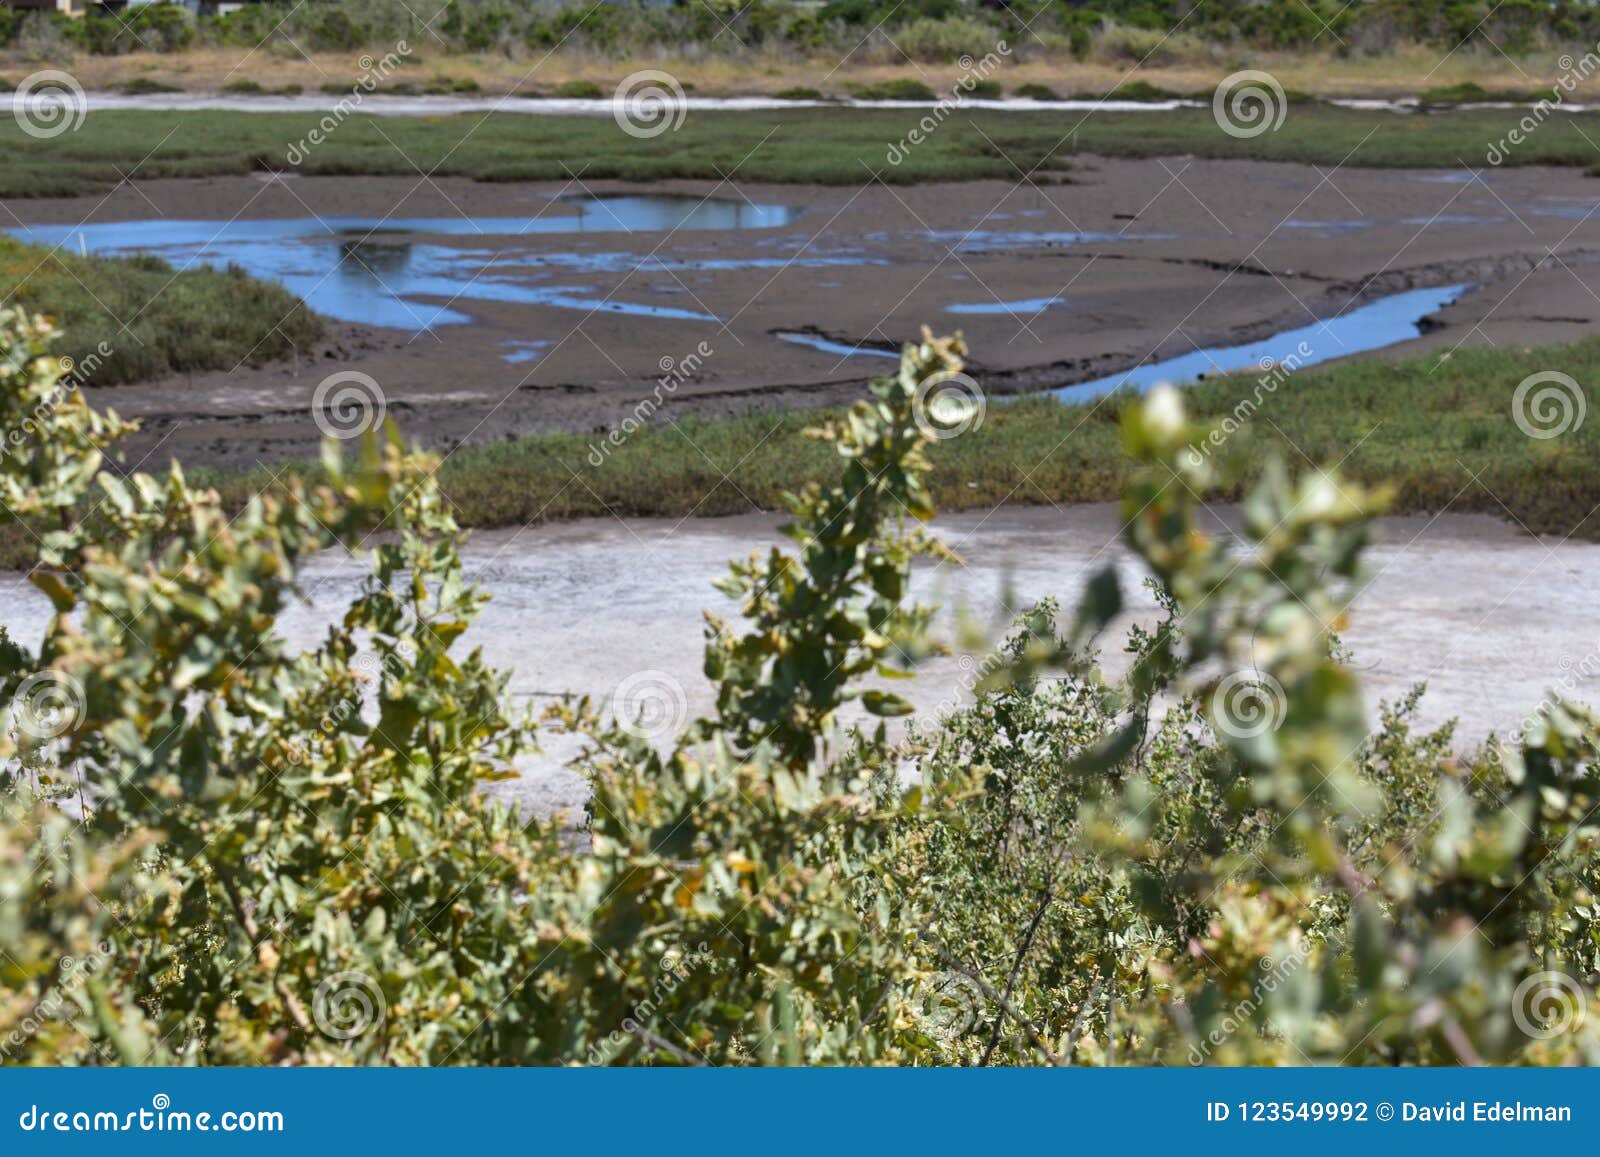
(519, 308)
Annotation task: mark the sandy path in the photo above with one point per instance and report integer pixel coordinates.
(1489, 618)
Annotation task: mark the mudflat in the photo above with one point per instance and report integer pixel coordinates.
(554, 324)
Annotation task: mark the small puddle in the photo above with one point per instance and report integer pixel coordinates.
(1026, 307)
(818, 342)
(1002, 240)
(657, 213)
(1329, 228)
(1385, 322)
(371, 270)
(522, 352)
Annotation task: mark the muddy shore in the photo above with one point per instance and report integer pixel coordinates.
(1139, 260)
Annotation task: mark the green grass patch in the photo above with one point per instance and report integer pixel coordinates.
(815, 145)
(144, 86)
(1442, 432)
(139, 319)
(901, 88)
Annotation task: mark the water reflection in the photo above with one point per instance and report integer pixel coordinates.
(375, 271)
(1384, 322)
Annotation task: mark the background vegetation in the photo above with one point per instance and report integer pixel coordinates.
(830, 146)
(133, 319)
(931, 30)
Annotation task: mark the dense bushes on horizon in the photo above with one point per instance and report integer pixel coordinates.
(1111, 28)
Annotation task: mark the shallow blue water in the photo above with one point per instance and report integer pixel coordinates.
(1384, 322)
(817, 342)
(1029, 305)
(368, 270)
(992, 241)
(522, 352)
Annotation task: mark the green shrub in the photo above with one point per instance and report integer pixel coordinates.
(1035, 92)
(283, 856)
(446, 84)
(579, 90)
(1455, 93)
(902, 88)
(304, 868)
(948, 38)
(151, 28)
(134, 319)
(1155, 48)
(1140, 90)
(144, 85)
